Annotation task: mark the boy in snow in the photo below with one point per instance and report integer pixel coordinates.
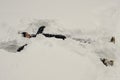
(27, 35)
(40, 31)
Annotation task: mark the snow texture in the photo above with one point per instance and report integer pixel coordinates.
(88, 25)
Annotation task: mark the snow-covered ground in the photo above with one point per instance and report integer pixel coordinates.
(88, 25)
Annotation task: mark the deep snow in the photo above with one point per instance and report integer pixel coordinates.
(88, 25)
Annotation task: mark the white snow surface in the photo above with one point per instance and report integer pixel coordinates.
(93, 21)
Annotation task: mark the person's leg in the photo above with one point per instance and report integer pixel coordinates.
(54, 35)
(48, 35)
(60, 37)
(41, 29)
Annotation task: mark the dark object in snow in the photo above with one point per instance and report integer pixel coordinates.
(40, 31)
(59, 36)
(112, 40)
(107, 62)
(48, 35)
(21, 48)
(25, 34)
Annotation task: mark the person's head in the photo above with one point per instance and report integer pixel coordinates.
(26, 35)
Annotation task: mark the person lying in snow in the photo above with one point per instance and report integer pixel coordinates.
(40, 31)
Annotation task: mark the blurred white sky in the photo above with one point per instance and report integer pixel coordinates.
(71, 13)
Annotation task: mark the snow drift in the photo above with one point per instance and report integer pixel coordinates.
(48, 58)
(88, 25)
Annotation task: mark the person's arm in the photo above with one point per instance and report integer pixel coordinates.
(21, 48)
(40, 30)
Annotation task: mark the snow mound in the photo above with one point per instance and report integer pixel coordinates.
(48, 58)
